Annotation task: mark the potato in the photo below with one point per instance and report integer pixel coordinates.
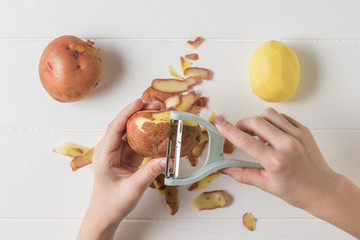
(70, 68)
(274, 72)
(148, 133)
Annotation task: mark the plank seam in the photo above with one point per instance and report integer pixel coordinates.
(172, 220)
(355, 41)
(103, 129)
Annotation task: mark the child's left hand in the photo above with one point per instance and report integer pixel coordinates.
(118, 183)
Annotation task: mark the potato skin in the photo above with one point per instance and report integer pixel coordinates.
(151, 94)
(151, 140)
(172, 199)
(70, 68)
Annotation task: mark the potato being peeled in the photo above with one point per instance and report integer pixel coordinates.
(70, 68)
(148, 133)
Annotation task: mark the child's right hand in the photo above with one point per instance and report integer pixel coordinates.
(294, 168)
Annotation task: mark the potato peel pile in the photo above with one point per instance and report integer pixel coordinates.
(178, 94)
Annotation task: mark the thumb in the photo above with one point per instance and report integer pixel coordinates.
(250, 176)
(143, 177)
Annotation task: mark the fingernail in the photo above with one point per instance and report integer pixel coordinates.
(218, 120)
(163, 163)
(154, 103)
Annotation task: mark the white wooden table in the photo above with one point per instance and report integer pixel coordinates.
(41, 198)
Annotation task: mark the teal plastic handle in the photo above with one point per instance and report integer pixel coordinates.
(215, 159)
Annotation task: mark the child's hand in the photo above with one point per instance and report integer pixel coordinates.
(287, 150)
(118, 183)
(294, 168)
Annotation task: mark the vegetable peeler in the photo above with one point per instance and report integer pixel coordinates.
(214, 161)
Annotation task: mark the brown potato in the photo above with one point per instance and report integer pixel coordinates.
(70, 68)
(148, 133)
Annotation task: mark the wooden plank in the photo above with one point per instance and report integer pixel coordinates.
(327, 97)
(181, 19)
(281, 229)
(37, 183)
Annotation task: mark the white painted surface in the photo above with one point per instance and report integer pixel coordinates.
(229, 229)
(40, 198)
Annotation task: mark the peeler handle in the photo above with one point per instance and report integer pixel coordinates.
(207, 169)
(215, 160)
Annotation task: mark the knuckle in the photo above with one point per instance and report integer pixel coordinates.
(291, 145)
(245, 179)
(306, 130)
(238, 178)
(304, 135)
(256, 121)
(239, 123)
(268, 112)
(301, 133)
(227, 128)
(111, 126)
(297, 133)
(151, 172)
(279, 163)
(245, 141)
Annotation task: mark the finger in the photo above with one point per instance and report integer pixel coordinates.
(302, 130)
(292, 121)
(278, 120)
(116, 128)
(262, 140)
(250, 176)
(147, 173)
(152, 105)
(263, 129)
(243, 141)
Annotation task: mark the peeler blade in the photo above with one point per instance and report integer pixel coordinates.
(175, 172)
(214, 160)
(178, 147)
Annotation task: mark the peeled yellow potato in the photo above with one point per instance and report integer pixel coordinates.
(274, 72)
